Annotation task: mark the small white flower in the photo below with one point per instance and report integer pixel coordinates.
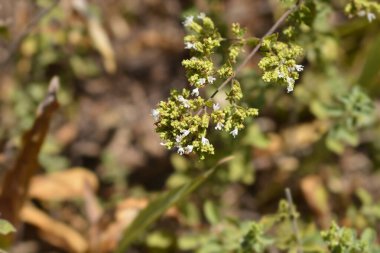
(155, 114)
(188, 149)
(290, 80)
(216, 106)
(290, 88)
(178, 138)
(188, 21)
(234, 132)
(290, 84)
(189, 45)
(211, 79)
(180, 150)
(185, 133)
(280, 74)
(370, 17)
(201, 81)
(291, 69)
(219, 126)
(362, 13)
(184, 101)
(162, 144)
(299, 68)
(195, 92)
(201, 15)
(205, 141)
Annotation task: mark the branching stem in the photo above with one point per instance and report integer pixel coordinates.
(257, 47)
(27, 30)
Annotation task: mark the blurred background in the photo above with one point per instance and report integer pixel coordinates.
(101, 161)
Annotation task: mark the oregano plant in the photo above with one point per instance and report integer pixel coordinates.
(186, 119)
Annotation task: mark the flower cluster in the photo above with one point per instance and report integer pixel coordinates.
(301, 20)
(343, 240)
(280, 62)
(363, 8)
(186, 118)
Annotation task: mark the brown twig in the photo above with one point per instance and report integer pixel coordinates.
(293, 219)
(29, 27)
(13, 191)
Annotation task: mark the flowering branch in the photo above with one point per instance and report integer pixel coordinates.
(257, 47)
(180, 121)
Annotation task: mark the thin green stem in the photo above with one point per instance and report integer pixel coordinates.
(257, 47)
(293, 219)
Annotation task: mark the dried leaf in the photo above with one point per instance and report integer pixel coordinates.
(125, 213)
(317, 198)
(54, 232)
(305, 135)
(63, 185)
(103, 44)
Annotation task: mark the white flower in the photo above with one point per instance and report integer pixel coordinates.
(179, 138)
(280, 74)
(290, 80)
(362, 13)
(180, 150)
(201, 81)
(299, 68)
(211, 79)
(291, 69)
(195, 92)
(205, 141)
(370, 17)
(188, 21)
(188, 149)
(162, 144)
(189, 45)
(290, 84)
(155, 114)
(201, 15)
(185, 133)
(184, 101)
(290, 88)
(219, 126)
(234, 132)
(216, 106)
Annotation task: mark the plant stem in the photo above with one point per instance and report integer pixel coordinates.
(257, 47)
(294, 220)
(27, 30)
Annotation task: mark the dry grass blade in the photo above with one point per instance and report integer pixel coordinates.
(55, 232)
(13, 191)
(69, 184)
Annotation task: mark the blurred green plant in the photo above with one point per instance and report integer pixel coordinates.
(6, 227)
(350, 113)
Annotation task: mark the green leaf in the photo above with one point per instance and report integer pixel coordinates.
(6, 227)
(371, 67)
(179, 162)
(158, 206)
(334, 145)
(211, 212)
(255, 137)
(159, 240)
